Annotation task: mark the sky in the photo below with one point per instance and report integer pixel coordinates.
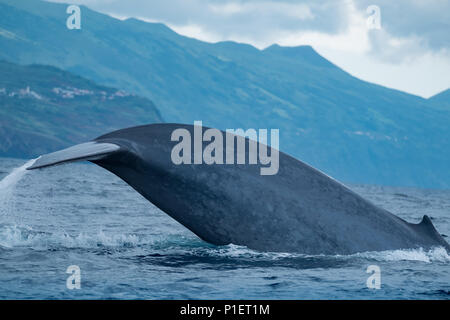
(401, 44)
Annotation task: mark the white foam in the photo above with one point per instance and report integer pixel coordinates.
(236, 251)
(14, 236)
(437, 254)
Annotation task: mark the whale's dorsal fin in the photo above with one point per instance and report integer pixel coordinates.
(85, 151)
(426, 222)
(427, 228)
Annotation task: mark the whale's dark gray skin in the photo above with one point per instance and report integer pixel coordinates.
(299, 209)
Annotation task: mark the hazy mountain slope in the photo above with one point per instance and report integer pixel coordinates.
(441, 100)
(43, 108)
(351, 129)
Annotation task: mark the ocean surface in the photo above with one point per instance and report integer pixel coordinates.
(125, 248)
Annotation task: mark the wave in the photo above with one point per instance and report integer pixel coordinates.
(436, 254)
(236, 251)
(16, 237)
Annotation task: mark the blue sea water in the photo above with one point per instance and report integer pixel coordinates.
(80, 214)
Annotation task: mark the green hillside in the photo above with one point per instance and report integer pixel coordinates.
(43, 108)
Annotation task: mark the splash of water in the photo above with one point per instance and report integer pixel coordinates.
(8, 184)
(15, 236)
(436, 254)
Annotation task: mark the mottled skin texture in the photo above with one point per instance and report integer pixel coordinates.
(297, 210)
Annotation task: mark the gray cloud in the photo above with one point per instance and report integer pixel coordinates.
(425, 20)
(411, 51)
(409, 27)
(250, 19)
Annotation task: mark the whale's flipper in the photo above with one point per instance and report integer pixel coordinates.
(85, 151)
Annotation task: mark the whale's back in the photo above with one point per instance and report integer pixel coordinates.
(299, 209)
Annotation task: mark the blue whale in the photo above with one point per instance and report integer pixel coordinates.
(298, 209)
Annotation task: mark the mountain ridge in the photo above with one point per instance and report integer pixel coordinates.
(442, 98)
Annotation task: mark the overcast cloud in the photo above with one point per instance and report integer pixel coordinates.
(410, 52)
